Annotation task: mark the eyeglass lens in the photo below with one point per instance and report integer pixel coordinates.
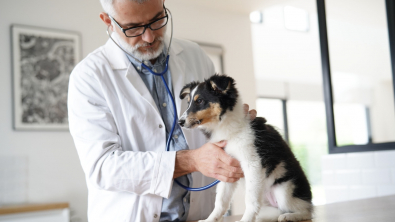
(154, 26)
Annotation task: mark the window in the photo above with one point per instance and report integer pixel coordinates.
(357, 50)
(304, 124)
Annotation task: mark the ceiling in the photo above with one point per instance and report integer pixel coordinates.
(237, 6)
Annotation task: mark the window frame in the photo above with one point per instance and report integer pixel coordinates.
(284, 113)
(219, 51)
(326, 72)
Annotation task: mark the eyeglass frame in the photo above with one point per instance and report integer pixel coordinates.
(145, 26)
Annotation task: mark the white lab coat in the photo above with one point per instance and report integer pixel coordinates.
(120, 138)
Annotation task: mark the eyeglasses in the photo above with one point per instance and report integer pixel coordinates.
(139, 30)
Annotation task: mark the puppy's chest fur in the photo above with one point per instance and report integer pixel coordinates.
(240, 137)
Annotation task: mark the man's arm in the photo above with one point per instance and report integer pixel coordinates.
(107, 166)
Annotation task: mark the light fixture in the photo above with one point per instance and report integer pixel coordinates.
(256, 17)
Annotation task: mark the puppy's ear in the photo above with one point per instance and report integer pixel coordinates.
(186, 90)
(221, 83)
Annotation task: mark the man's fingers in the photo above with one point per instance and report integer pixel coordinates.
(228, 160)
(226, 179)
(221, 143)
(246, 107)
(253, 114)
(227, 173)
(232, 170)
(247, 111)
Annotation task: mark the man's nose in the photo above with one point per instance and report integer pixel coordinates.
(181, 122)
(148, 35)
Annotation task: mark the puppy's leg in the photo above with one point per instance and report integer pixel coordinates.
(296, 209)
(254, 189)
(268, 214)
(222, 201)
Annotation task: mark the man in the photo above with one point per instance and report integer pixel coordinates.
(120, 116)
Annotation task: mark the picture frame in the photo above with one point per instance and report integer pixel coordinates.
(42, 60)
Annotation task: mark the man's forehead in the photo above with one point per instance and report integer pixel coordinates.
(130, 11)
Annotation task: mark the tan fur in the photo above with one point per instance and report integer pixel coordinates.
(213, 85)
(227, 88)
(195, 98)
(208, 115)
(187, 91)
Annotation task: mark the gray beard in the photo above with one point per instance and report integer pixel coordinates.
(133, 50)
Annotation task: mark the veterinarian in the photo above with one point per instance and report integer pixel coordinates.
(120, 116)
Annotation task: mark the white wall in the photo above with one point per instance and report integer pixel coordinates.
(230, 30)
(358, 175)
(53, 168)
(54, 172)
(283, 55)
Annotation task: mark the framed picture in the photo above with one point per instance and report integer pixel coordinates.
(42, 62)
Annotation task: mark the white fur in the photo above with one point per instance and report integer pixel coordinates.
(235, 128)
(184, 115)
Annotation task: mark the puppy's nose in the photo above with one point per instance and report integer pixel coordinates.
(181, 122)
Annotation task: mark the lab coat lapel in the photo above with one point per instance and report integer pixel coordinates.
(177, 70)
(139, 85)
(119, 60)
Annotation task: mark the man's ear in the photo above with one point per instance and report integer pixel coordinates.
(221, 83)
(104, 17)
(186, 90)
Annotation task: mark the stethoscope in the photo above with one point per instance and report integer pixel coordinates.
(170, 95)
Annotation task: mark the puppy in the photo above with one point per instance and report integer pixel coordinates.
(276, 188)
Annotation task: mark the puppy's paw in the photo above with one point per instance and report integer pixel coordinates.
(215, 220)
(286, 218)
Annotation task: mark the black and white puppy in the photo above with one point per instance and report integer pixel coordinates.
(276, 188)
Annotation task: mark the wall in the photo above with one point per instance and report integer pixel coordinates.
(358, 175)
(230, 30)
(53, 171)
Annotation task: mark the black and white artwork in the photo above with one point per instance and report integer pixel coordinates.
(42, 62)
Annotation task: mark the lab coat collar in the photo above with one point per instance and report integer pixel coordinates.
(119, 60)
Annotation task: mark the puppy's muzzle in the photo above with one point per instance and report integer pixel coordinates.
(181, 122)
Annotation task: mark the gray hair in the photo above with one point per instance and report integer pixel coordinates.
(109, 8)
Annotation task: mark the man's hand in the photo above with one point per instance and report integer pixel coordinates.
(212, 161)
(252, 112)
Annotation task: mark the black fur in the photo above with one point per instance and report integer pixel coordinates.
(190, 85)
(227, 98)
(272, 150)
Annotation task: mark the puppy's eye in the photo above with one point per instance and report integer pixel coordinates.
(199, 101)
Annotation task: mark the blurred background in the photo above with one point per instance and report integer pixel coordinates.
(272, 49)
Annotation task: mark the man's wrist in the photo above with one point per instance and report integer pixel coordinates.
(185, 163)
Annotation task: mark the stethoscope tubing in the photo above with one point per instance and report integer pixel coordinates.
(174, 124)
(172, 100)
